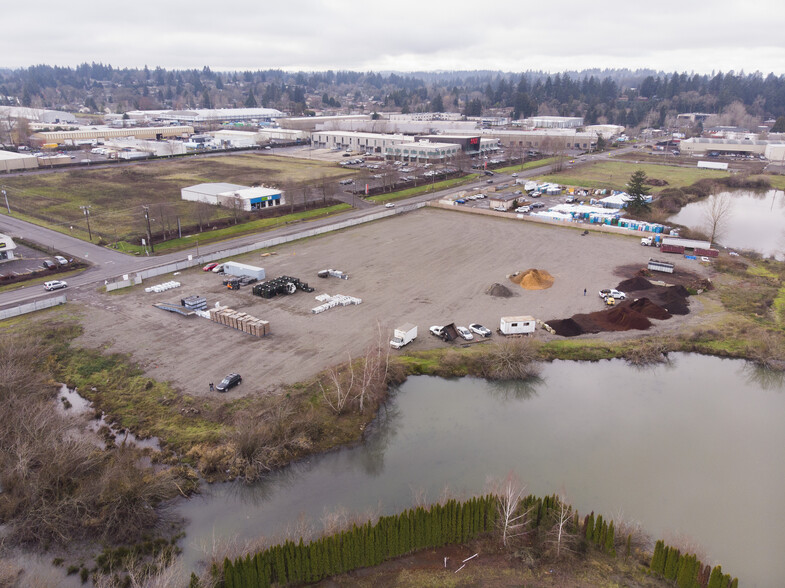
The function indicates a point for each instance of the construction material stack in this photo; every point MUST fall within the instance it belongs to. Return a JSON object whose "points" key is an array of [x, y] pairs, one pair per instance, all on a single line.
{"points": [[282, 285], [241, 321], [194, 303]]}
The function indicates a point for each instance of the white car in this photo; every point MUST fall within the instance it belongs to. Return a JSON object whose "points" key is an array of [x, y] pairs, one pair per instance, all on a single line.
{"points": [[514, 175], [218, 268], [61, 260], [613, 294], [436, 330], [522, 209], [465, 333], [389, 205], [55, 285], [480, 330]]}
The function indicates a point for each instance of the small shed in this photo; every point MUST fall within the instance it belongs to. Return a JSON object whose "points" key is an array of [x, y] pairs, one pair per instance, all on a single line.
{"points": [[517, 325], [234, 268]]}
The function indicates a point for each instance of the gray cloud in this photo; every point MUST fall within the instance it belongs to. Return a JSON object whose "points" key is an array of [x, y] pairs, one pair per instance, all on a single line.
{"points": [[406, 35]]}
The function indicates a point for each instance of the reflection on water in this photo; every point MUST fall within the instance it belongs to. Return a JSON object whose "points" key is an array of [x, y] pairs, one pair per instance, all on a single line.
{"points": [[683, 448], [764, 378], [756, 221], [514, 389]]}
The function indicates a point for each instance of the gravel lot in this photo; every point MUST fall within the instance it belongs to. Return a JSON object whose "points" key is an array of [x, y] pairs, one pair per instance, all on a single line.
{"points": [[430, 267]]}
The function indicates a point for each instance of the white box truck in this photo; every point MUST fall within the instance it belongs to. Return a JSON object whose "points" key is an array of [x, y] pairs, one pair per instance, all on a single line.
{"points": [[517, 325], [403, 335]]}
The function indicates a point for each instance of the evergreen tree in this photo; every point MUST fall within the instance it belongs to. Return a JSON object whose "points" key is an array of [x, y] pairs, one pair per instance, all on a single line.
{"points": [[610, 539], [588, 527], [628, 547], [250, 101], [599, 529], [638, 190], [658, 559], [671, 563], [715, 580], [229, 574]]}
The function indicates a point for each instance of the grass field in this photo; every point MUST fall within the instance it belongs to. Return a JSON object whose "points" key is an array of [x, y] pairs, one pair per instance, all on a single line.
{"points": [[615, 175], [527, 165], [116, 195], [425, 188]]}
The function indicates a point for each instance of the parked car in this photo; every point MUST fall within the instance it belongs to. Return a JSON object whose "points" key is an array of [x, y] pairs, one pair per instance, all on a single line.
{"points": [[48, 264], [389, 205], [489, 181], [536, 205], [229, 382], [55, 285], [480, 330], [61, 260], [610, 292], [437, 331], [209, 267], [514, 175], [465, 333], [522, 209], [218, 268]]}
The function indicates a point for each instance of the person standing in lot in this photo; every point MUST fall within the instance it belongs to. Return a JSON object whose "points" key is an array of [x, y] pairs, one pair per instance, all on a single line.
{"points": [[584, 291], [212, 388]]}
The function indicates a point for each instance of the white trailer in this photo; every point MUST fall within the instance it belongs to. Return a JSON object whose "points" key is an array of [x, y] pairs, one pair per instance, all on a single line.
{"points": [[234, 268], [660, 266], [403, 335], [517, 325]]}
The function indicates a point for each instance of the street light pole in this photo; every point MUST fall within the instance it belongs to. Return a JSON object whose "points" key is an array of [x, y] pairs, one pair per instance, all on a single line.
{"points": [[149, 233], [5, 195], [87, 216]]}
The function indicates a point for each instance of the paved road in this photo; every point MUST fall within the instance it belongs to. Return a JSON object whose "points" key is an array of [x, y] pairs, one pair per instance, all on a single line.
{"points": [[108, 264]]}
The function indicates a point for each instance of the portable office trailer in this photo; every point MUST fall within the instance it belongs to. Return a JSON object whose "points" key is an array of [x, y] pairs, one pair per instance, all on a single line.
{"points": [[234, 268], [517, 325]]}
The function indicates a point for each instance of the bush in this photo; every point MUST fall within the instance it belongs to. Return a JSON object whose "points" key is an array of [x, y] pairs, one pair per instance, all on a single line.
{"points": [[509, 359]]}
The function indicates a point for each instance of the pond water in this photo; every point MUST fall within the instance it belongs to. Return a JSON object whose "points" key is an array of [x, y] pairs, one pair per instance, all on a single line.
{"points": [[691, 449], [756, 221]]}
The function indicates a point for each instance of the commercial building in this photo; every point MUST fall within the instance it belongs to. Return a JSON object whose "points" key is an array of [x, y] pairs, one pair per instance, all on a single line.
{"points": [[504, 200], [546, 140], [7, 247], [231, 195], [425, 116], [156, 148], [321, 123], [10, 161], [103, 133], [553, 122], [469, 144], [237, 139], [700, 146], [209, 115], [366, 142], [422, 152], [284, 135], [37, 115]]}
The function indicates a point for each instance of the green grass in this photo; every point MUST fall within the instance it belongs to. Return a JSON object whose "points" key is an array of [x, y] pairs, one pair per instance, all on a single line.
{"points": [[424, 189], [777, 182], [614, 175], [528, 165], [116, 194], [235, 230]]}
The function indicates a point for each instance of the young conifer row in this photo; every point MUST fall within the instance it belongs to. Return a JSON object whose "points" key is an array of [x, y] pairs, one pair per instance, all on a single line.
{"points": [[686, 570], [600, 533], [363, 546]]}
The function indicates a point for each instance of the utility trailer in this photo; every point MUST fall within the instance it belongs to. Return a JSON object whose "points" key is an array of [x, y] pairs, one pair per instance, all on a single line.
{"points": [[656, 265], [517, 325]]}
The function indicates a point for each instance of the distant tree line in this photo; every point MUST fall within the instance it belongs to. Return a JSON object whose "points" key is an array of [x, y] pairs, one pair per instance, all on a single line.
{"points": [[629, 98]]}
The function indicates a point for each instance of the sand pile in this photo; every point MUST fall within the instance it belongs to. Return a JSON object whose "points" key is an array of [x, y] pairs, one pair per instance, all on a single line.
{"points": [[635, 284], [499, 290], [532, 279]]}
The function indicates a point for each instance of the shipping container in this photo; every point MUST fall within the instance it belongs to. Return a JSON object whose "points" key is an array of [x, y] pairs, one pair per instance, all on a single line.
{"points": [[707, 252], [672, 248]]}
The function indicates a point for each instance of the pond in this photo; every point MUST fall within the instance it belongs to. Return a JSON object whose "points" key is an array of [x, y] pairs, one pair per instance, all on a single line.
{"points": [[756, 221], [690, 450]]}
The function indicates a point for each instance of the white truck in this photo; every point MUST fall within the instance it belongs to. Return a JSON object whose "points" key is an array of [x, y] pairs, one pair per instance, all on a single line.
{"points": [[649, 241], [403, 335]]}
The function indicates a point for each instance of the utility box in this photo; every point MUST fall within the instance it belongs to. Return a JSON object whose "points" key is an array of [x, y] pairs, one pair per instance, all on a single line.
{"points": [[234, 268], [517, 325]]}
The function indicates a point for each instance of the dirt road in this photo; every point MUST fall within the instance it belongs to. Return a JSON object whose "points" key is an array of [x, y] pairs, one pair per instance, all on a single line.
{"points": [[430, 267]]}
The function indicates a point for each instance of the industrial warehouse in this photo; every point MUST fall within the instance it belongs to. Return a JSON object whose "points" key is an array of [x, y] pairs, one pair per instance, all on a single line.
{"points": [[232, 195]]}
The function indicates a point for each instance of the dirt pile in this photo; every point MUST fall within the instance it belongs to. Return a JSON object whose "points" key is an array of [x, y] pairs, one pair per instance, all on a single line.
{"points": [[566, 327], [647, 308], [532, 279], [499, 290], [635, 284]]}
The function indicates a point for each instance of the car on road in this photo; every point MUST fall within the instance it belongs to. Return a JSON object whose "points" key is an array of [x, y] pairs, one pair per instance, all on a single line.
{"points": [[209, 267], [480, 330], [514, 175], [55, 285], [61, 260], [465, 333], [489, 181], [612, 293], [229, 382], [437, 331], [389, 205]]}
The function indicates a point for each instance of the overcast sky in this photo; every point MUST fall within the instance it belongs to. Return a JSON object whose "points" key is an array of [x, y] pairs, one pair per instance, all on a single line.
{"points": [[403, 35]]}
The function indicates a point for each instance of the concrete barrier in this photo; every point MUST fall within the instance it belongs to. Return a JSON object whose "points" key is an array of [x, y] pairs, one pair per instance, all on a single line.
{"points": [[7, 313]]}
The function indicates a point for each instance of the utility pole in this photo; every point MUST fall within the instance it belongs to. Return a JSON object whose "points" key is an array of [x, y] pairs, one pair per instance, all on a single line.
{"points": [[5, 195], [86, 210], [149, 234]]}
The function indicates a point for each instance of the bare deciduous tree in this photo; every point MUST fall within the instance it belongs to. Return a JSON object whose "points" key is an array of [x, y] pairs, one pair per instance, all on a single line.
{"points": [[513, 520], [718, 213], [561, 535]]}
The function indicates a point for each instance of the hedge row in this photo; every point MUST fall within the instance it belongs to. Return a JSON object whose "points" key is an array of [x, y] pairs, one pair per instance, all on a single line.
{"points": [[363, 546], [686, 570]]}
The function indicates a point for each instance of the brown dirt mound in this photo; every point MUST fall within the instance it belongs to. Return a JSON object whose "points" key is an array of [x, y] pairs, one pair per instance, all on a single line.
{"points": [[674, 299], [499, 290], [634, 284], [648, 309], [566, 327], [622, 318], [533, 279]]}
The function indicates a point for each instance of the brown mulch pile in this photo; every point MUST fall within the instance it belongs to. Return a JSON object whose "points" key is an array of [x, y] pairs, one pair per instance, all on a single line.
{"points": [[532, 279], [660, 304], [499, 290], [635, 284]]}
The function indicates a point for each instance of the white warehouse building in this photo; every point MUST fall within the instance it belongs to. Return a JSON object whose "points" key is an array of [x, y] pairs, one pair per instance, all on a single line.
{"points": [[345, 140], [423, 152], [231, 195]]}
